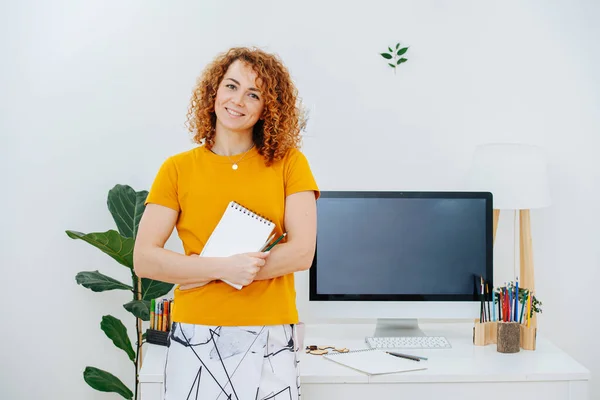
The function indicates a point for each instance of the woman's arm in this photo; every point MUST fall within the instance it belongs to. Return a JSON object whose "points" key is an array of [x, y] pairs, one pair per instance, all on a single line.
{"points": [[152, 260], [301, 227]]}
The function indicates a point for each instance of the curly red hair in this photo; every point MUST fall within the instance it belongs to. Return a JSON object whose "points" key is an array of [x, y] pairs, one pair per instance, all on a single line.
{"points": [[278, 131]]}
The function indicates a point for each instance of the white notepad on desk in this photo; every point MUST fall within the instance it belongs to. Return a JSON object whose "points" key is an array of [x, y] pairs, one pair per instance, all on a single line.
{"points": [[239, 231], [375, 362]]}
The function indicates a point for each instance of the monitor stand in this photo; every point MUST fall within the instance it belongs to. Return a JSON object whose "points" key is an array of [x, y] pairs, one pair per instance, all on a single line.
{"points": [[397, 327]]}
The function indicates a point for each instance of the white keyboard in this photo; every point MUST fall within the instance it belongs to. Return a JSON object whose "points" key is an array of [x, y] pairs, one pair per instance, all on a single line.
{"points": [[408, 342]]}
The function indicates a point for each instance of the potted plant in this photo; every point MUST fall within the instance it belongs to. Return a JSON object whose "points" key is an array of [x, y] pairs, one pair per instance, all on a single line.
{"points": [[126, 207]]}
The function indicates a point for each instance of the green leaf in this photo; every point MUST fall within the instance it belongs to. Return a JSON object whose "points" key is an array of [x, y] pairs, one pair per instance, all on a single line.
{"points": [[139, 308], [392, 65], [402, 51], [105, 382], [111, 243], [390, 49], [386, 56], [397, 45], [116, 331], [126, 206], [152, 289], [98, 282], [402, 60]]}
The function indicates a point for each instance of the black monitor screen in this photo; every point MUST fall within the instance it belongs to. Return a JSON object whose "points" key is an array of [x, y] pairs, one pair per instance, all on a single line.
{"points": [[402, 246]]}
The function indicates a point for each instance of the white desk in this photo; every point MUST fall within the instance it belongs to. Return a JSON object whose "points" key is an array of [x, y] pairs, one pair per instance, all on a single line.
{"points": [[463, 372]]}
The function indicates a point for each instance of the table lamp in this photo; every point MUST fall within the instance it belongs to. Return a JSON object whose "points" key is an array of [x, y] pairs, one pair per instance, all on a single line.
{"points": [[516, 175]]}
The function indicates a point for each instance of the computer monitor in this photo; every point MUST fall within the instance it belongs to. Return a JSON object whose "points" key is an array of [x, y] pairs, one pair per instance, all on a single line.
{"points": [[401, 256]]}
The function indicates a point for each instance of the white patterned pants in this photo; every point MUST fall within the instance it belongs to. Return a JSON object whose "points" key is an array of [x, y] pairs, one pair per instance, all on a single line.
{"points": [[232, 362]]}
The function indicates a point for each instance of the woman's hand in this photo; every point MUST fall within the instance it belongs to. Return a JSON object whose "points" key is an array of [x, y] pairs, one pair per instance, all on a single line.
{"points": [[241, 269]]}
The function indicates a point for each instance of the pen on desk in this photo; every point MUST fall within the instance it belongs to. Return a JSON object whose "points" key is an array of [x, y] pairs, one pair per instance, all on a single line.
{"points": [[412, 355], [275, 242], [409, 357]]}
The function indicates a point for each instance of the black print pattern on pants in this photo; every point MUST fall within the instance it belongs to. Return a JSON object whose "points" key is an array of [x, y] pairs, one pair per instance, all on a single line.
{"points": [[232, 363]]}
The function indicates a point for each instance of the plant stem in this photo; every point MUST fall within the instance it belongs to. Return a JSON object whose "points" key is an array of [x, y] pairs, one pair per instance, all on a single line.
{"points": [[137, 359], [138, 330]]}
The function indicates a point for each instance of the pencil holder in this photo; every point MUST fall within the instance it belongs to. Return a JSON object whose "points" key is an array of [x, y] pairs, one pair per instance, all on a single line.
{"points": [[157, 337], [528, 337], [484, 333], [509, 337]]}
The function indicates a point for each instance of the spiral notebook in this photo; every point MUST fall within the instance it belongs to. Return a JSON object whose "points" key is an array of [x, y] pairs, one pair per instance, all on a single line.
{"points": [[375, 362], [239, 231]]}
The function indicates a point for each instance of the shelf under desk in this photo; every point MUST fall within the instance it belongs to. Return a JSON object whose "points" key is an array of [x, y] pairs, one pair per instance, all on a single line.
{"points": [[463, 372]]}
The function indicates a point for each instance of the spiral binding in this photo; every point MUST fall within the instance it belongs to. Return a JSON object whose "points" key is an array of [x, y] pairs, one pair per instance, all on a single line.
{"points": [[250, 213]]}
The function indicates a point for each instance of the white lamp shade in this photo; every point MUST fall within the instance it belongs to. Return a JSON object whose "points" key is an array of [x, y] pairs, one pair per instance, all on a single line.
{"points": [[515, 174]]}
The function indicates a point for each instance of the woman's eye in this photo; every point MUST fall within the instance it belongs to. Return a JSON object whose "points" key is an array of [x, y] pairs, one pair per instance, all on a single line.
{"points": [[254, 96], [230, 86]]}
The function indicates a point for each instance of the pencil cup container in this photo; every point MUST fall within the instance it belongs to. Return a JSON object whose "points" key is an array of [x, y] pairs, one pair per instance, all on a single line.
{"points": [[528, 337], [509, 337], [157, 337], [484, 333]]}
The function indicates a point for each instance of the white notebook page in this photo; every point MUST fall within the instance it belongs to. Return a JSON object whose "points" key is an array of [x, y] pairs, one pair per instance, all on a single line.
{"points": [[375, 362], [238, 231]]}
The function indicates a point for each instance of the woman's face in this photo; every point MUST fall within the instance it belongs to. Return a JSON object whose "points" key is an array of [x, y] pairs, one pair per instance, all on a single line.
{"points": [[239, 103]]}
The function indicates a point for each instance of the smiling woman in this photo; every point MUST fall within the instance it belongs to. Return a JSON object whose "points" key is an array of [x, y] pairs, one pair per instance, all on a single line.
{"points": [[260, 83], [224, 341], [239, 105]]}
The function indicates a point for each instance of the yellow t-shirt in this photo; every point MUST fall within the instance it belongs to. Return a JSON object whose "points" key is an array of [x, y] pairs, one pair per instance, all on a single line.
{"points": [[199, 184]]}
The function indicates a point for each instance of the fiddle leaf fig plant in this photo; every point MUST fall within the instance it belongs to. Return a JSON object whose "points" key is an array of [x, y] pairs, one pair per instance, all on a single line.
{"points": [[126, 207]]}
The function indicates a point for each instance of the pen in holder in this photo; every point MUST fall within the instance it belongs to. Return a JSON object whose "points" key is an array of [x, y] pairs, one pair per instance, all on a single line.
{"points": [[485, 333], [161, 311], [510, 321]]}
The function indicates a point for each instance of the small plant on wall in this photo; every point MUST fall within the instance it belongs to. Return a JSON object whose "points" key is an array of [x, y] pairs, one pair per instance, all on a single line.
{"points": [[395, 56]]}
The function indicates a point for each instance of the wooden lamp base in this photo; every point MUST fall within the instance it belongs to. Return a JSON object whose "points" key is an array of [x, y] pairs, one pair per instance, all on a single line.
{"points": [[526, 272]]}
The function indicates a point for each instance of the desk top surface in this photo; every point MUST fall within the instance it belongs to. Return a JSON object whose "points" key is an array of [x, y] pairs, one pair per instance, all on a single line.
{"points": [[464, 362]]}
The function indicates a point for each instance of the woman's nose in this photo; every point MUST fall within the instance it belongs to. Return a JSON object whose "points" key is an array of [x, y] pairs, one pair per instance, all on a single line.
{"points": [[238, 100]]}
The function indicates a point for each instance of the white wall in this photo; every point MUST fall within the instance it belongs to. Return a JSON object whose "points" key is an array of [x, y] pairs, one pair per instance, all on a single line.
{"points": [[94, 93]]}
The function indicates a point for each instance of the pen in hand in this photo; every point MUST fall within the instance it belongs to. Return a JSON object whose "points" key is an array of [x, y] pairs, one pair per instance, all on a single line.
{"points": [[409, 357], [275, 242], [267, 242]]}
